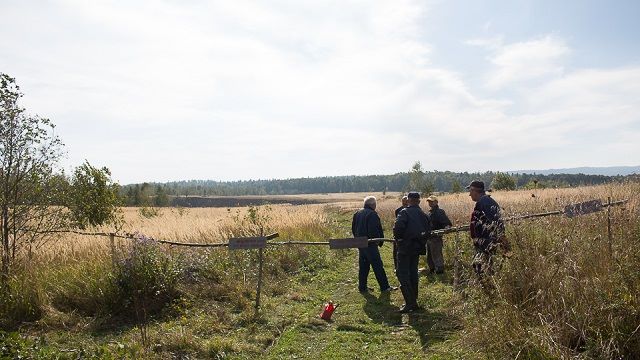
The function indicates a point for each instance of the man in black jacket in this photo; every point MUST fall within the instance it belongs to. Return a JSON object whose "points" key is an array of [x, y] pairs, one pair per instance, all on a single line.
{"points": [[405, 203], [366, 222], [409, 231], [486, 228]]}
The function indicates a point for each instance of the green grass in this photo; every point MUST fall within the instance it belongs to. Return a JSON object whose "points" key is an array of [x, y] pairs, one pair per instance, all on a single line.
{"points": [[367, 326]]}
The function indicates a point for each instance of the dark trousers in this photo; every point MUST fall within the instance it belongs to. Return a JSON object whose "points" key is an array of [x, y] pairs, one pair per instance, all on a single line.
{"points": [[408, 277], [435, 260], [370, 257], [395, 256], [483, 260]]}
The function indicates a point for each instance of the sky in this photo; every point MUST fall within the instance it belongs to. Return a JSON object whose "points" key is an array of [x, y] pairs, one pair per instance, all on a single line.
{"points": [[228, 90]]}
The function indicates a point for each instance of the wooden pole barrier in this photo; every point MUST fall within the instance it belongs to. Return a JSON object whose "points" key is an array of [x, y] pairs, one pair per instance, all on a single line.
{"points": [[259, 288], [112, 239], [609, 228], [456, 263], [297, 242]]}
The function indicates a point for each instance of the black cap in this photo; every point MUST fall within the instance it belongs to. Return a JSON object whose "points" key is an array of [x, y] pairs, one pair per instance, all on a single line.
{"points": [[476, 184], [413, 195]]}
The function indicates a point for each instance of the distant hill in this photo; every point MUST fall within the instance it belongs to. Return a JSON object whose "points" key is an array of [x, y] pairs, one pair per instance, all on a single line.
{"points": [[606, 171]]}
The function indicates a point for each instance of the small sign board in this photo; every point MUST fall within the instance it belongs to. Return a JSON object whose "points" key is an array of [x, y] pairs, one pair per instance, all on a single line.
{"points": [[248, 243], [586, 207], [359, 242]]}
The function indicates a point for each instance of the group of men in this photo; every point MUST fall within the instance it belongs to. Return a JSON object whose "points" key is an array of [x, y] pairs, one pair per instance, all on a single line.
{"points": [[412, 235]]}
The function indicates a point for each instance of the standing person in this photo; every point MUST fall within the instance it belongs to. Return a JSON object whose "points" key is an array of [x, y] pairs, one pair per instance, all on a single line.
{"points": [[405, 203], [486, 228], [366, 222], [409, 231], [439, 220]]}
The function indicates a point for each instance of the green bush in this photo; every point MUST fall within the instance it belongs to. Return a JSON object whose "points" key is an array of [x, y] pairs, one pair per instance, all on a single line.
{"points": [[147, 279], [149, 212], [93, 197]]}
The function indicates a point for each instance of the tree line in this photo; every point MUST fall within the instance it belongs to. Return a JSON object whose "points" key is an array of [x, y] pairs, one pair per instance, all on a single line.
{"points": [[161, 194]]}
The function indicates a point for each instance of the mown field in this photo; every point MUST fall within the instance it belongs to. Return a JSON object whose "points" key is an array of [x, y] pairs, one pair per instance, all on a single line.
{"points": [[563, 293]]}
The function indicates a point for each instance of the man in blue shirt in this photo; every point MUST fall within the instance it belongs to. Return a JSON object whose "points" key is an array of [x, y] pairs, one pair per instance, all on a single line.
{"points": [[366, 222]]}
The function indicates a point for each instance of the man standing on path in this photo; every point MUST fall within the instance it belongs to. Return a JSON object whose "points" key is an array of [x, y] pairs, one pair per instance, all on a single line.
{"points": [[409, 231], [405, 203], [486, 228], [439, 220], [366, 222]]}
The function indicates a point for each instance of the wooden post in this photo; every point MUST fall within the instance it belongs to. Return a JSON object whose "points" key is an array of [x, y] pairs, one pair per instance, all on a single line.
{"points": [[609, 228], [260, 262], [456, 263], [113, 247]]}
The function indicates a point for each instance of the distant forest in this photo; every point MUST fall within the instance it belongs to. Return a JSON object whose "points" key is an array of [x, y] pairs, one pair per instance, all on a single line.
{"points": [[162, 194]]}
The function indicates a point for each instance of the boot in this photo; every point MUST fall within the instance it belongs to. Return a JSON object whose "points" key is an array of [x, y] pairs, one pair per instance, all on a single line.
{"points": [[409, 300]]}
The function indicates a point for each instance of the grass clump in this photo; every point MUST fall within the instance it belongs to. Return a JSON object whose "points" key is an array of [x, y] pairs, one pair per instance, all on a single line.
{"points": [[135, 286], [21, 299]]}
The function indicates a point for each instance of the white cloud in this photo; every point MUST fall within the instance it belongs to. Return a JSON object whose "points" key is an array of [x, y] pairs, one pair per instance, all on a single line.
{"points": [[492, 43], [236, 90], [522, 61]]}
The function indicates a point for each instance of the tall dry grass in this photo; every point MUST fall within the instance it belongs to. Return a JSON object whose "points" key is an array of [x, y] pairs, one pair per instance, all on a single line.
{"points": [[567, 292], [194, 225], [80, 274]]}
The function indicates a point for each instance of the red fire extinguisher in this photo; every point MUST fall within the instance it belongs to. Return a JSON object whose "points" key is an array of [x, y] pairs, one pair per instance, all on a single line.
{"points": [[329, 308]]}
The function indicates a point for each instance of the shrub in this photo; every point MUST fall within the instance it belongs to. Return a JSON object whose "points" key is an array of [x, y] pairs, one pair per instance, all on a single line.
{"points": [[147, 278], [149, 212]]}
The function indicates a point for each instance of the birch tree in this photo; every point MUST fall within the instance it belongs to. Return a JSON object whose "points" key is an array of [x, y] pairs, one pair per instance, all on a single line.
{"points": [[29, 186]]}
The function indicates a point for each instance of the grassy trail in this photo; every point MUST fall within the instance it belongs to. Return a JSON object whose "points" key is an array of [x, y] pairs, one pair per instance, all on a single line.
{"points": [[366, 326]]}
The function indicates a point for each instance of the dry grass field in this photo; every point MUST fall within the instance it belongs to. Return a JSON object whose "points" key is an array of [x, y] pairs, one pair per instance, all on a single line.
{"points": [[211, 225], [190, 225]]}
